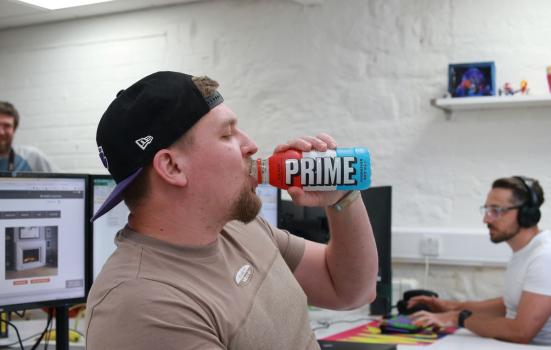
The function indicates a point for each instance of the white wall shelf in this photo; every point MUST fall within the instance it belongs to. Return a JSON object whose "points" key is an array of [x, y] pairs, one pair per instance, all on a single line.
{"points": [[491, 102]]}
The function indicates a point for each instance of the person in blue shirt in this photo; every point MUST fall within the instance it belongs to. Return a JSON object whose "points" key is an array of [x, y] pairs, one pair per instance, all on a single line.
{"points": [[18, 158]]}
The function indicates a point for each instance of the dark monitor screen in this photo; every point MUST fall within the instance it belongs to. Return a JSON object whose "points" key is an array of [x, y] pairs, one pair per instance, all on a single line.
{"points": [[311, 223], [42, 239]]}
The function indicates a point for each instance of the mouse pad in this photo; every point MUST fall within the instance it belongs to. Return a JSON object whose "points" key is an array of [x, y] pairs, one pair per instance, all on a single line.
{"points": [[371, 333]]}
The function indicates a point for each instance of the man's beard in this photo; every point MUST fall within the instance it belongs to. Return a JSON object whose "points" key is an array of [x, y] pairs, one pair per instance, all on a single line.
{"points": [[504, 235], [247, 206], [5, 146]]}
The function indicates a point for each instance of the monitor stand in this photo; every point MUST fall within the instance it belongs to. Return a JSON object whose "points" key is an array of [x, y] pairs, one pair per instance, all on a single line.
{"points": [[62, 327]]}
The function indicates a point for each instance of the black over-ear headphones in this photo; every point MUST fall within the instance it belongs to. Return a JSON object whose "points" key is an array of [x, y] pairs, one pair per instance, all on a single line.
{"points": [[529, 212]]}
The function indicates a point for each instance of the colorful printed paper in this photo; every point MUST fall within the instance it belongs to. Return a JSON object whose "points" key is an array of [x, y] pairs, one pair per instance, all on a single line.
{"points": [[371, 333]]}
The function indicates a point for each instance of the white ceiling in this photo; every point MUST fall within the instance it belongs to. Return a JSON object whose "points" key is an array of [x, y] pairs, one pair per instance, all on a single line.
{"points": [[16, 14]]}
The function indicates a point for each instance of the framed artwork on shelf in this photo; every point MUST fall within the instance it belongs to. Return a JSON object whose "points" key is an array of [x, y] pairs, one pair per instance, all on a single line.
{"points": [[471, 79]]}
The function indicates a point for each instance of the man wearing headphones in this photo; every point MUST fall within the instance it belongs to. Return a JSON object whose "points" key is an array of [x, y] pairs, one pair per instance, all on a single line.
{"points": [[523, 314]]}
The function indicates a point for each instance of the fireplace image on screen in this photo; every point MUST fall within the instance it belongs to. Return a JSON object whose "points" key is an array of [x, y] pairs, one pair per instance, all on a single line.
{"points": [[30, 255], [31, 251]]}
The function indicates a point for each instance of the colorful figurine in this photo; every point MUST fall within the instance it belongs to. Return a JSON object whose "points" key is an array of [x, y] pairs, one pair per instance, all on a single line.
{"points": [[508, 89], [524, 87]]}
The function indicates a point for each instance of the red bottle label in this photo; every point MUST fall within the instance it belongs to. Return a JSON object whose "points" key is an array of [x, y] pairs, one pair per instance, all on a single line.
{"points": [[277, 168]]}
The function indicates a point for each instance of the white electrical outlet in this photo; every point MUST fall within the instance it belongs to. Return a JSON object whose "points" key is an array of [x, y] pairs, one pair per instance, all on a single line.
{"points": [[430, 246]]}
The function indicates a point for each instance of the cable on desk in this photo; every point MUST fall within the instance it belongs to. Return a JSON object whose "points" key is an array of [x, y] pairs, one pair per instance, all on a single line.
{"points": [[50, 314], [47, 342], [326, 324], [22, 340], [16, 332], [21, 315], [427, 266], [80, 315]]}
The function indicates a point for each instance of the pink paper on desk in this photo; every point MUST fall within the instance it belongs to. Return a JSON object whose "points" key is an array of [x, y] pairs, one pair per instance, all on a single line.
{"points": [[371, 333]]}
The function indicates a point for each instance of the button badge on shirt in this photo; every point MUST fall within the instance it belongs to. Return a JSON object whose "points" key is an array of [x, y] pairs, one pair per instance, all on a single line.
{"points": [[244, 275]]}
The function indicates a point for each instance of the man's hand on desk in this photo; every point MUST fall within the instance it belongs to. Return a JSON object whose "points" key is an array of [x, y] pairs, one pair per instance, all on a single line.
{"points": [[440, 320], [433, 303]]}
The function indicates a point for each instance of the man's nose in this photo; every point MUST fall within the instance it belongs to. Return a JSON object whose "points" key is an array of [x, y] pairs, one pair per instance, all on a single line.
{"points": [[249, 146]]}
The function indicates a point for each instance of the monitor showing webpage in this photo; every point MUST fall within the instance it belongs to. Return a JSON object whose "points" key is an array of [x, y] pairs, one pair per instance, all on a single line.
{"points": [[42, 239]]}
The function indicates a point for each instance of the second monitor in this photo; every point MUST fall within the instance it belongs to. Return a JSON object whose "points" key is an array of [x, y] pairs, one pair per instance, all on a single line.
{"points": [[311, 223]]}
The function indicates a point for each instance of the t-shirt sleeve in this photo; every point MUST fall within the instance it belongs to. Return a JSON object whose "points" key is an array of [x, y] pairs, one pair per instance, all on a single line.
{"points": [[537, 275], [36, 159], [144, 314], [290, 246]]}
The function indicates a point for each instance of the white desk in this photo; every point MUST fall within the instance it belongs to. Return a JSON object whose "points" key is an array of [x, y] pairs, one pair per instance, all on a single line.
{"points": [[336, 322], [339, 321], [464, 339], [28, 328]]}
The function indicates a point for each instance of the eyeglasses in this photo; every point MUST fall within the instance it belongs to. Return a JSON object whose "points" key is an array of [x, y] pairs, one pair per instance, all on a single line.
{"points": [[494, 212]]}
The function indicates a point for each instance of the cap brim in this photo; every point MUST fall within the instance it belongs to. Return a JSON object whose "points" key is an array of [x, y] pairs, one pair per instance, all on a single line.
{"points": [[115, 197]]}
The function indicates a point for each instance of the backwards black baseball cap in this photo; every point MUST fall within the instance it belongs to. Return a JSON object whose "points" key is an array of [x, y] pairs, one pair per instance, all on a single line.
{"points": [[148, 116]]}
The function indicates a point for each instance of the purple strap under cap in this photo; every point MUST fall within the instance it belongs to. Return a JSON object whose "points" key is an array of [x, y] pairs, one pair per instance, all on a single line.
{"points": [[115, 197]]}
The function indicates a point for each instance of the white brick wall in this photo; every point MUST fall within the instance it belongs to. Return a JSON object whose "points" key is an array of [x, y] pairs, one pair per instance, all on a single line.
{"points": [[362, 70]]}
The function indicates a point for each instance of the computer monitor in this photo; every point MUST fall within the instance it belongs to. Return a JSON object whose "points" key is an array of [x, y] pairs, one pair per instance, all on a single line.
{"points": [[269, 196], [42, 240], [106, 227], [311, 223]]}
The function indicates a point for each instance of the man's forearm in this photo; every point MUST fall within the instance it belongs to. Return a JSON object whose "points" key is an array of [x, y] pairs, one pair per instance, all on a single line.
{"points": [[351, 254], [497, 327], [490, 307]]}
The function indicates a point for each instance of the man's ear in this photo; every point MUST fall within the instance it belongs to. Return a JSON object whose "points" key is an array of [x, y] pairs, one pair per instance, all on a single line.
{"points": [[170, 167]]}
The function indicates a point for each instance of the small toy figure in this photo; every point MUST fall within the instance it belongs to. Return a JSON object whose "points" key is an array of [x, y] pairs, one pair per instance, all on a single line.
{"points": [[508, 89], [524, 87]]}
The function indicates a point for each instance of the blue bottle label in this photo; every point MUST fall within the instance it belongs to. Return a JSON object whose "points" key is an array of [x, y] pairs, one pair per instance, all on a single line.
{"points": [[341, 169]]}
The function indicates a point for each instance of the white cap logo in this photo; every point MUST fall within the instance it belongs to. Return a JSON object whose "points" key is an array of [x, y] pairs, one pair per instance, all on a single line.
{"points": [[144, 142], [103, 157]]}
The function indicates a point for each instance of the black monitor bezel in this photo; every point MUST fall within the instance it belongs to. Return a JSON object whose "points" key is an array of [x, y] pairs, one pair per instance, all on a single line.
{"points": [[68, 301]]}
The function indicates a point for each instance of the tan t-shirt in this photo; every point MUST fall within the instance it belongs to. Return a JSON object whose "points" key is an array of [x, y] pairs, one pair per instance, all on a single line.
{"points": [[236, 293]]}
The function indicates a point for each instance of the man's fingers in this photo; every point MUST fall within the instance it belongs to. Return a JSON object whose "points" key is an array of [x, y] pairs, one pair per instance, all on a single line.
{"points": [[322, 142], [329, 141], [419, 314], [317, 143], [416, 300]]}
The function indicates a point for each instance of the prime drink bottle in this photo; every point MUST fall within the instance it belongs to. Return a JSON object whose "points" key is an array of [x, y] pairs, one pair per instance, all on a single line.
{"points": [[341, 169]]}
